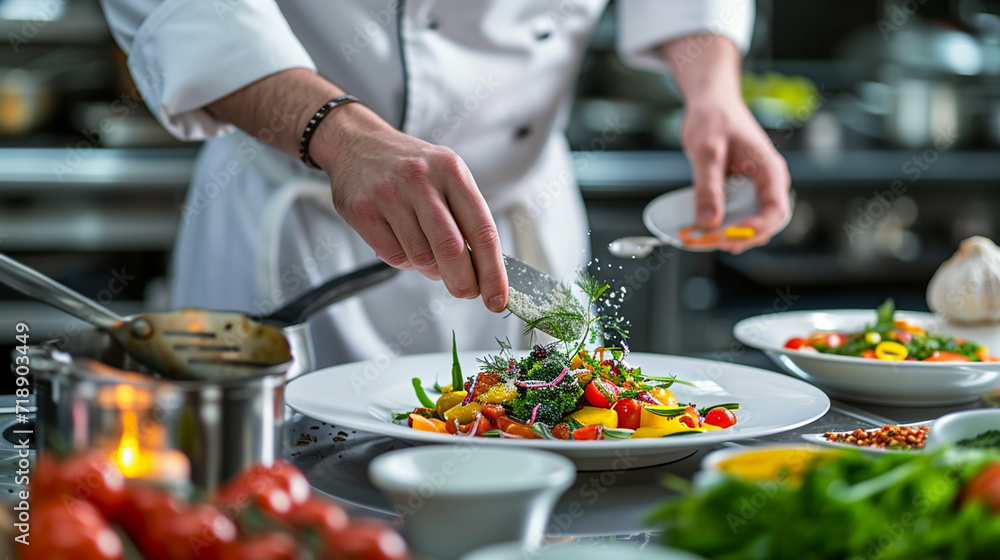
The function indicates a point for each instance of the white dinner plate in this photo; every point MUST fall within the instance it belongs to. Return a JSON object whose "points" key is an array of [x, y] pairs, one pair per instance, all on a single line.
{"points": [[669, 213], [882, 382], [363, 396]]}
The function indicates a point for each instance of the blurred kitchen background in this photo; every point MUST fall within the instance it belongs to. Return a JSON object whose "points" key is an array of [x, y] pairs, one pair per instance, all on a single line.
{"points": [[856, 94]]}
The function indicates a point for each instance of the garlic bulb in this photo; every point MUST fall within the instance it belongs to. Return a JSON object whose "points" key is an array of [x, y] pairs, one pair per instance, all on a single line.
{"points": [[966, 289]]}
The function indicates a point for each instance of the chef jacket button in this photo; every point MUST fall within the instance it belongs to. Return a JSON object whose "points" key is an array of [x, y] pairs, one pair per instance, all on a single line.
{"points": [[522, 132], [543, 35]]}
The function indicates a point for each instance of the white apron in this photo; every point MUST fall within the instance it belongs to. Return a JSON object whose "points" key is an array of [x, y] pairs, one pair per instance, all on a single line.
{"points": [[490, 79]]}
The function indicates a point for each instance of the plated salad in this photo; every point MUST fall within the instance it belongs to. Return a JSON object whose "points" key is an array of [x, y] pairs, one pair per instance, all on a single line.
{"points": [[894, 340], [563, 391]]}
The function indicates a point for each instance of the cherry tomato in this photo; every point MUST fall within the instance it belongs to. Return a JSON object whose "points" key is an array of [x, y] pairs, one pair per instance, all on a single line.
{"points": [[482, 427], [520, 430], [266, 546], [142, 502], [593, 431], [945, 356], [290, 479], [324, 516], [72, 529], [902, 336], [562, 431], [796, 343], [629, 412], [834, 340], [869, 353], [200, 531], [493, 412], [256, 486], [721, 417], [985, 486], [89, 476], [366, 540], [601, 396]]}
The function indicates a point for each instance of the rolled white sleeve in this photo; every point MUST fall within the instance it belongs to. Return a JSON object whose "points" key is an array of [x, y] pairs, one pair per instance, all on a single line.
{"points": [[185, 54], [644, 25]]}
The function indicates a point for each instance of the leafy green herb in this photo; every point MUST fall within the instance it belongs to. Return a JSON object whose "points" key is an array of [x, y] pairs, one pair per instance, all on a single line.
{"points": [[728, 406], [618, 433], [664, 382], [884, 315]]}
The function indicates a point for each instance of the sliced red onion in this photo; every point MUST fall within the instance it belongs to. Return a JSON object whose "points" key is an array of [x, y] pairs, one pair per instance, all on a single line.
{"points": [[534, 413], [509, 436], [472, 431], [541, 384], [472, 391]]}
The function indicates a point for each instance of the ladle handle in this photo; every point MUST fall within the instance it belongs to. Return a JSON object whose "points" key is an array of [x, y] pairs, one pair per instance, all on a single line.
{"points": [[34, 284]]}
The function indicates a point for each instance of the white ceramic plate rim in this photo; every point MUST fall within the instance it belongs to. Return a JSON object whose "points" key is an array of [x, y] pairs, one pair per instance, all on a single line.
{"points": [[742, 331], [306, 404]]}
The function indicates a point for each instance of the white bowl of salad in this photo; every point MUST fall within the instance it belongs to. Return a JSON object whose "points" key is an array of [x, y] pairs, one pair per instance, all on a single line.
{"points": [[886, 357]]}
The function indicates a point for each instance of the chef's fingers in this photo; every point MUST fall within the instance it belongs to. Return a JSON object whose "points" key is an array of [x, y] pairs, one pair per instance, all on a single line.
{"points": [[411, 237], [380, 237], [708, 165], [448, 244], [770, 175], [480, 231]]}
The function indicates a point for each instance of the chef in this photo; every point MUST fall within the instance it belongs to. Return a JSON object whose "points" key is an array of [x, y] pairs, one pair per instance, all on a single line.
{"points": [[426, 133]]}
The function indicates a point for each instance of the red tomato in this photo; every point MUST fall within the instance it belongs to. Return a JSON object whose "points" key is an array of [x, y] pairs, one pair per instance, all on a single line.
{"points": [[985, 486], [290, 479], [834, 340], [593, 431], [484, 426], [869, 353], [945, 356], [493, 412], [367, 540], [266, 546], [143, 502], [89, 476], [796, 343], [629, 412], [902, 336], [72, 529], [597, 395], [200, 531], [257, 486], [721, 417], [319, 514]]}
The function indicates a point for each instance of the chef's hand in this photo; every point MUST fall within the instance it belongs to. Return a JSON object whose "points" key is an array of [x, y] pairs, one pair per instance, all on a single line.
{"points": [[416, 204], [722, 138]]}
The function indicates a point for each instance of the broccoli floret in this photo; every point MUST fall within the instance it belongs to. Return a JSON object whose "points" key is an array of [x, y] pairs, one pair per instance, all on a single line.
{"points": [[547, 369], [556, 402]]}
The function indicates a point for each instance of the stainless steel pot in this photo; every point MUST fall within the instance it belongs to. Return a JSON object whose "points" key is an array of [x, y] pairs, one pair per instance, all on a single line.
{"points": [[90, 394]]}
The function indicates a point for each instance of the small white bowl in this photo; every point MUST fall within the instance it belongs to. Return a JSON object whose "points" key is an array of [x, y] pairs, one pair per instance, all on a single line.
{"points": [[580, 551], [456, 498], [953, 428]]}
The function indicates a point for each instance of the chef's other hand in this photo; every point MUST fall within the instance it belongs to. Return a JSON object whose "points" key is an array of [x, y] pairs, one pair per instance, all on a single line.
{"points": [[416, 204], [722, 138]]}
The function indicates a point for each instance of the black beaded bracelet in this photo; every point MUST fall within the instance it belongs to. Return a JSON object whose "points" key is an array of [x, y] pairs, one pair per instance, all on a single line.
{"points": [[313, 123]]}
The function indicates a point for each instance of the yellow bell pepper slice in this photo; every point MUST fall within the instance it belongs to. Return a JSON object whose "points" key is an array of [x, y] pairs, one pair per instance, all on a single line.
{"points": [[649, 420], [739, 232], [448, 401], [501, 393], [889, 350], [590, 415], [464, 414]]}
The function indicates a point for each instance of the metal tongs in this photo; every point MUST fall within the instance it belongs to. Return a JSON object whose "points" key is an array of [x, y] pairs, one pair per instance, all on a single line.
{"points": [[194, 344]]}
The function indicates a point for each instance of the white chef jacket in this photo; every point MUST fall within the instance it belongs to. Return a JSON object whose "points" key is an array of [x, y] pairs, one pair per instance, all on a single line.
{"points": [[491, 79]]}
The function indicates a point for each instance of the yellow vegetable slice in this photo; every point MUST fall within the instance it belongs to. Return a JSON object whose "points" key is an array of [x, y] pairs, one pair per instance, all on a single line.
{"points": [[740, 232], [590, 415], [889, 350], [645, 433], [448, 401]]}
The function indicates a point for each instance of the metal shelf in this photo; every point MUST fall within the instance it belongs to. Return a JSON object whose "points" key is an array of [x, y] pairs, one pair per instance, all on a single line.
{"points": [[31, 170]]}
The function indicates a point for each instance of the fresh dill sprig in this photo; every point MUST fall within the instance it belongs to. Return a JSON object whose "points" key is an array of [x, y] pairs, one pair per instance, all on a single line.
{"points": [[499, 362]]}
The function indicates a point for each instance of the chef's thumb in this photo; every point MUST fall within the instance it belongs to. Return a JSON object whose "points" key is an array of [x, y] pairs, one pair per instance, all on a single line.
{"points": [[709, 195]]}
